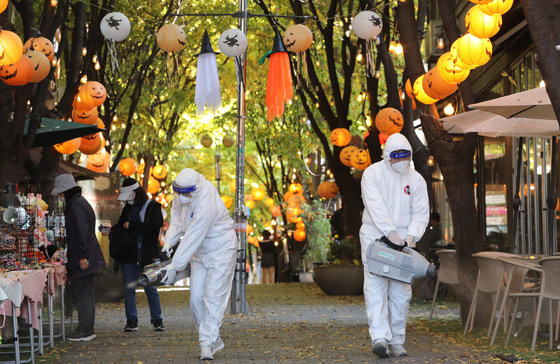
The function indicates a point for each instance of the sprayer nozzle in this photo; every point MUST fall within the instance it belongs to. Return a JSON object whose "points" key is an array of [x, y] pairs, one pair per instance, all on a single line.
{"points": [[431, 271]]}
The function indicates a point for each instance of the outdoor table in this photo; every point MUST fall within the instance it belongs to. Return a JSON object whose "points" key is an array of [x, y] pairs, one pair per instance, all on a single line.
{"points": [[32, 284], [11, 291], [56, 278]]}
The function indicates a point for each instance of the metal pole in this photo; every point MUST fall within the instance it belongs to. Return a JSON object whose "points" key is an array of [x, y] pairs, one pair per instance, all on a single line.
{"points": [[217, 158], [238, 290]]}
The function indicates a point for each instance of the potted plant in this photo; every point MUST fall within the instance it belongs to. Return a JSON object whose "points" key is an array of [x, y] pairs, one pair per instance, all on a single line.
{"points": [[343, 274]]}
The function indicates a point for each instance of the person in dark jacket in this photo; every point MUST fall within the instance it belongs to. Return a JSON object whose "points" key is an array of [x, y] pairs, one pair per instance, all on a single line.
{"points": [[143, 218], [268, 260], [84, 254]]}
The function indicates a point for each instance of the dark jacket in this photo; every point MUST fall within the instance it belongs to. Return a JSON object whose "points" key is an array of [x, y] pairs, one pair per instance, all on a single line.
{"points": [[148, 231], [81, 241]]}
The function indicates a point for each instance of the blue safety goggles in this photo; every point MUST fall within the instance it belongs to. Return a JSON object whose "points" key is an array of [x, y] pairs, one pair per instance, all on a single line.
{"points": [[400, 154], [183, 190]]}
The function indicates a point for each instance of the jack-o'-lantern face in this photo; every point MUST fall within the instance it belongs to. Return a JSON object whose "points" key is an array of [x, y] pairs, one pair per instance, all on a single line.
{"points": [[41, 44], [17, 74], [297, 38], [340, 137], [346, 155], [99, 162], [93, 92], [41, 65], [360, 159], [389, 121], [171, 38], [92, 146], [85, 117], [436, 87], [449, 71], [327, 189]]}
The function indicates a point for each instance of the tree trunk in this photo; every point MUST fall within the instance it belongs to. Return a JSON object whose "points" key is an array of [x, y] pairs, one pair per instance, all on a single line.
{"points": [[542, 19], [455, 160]]}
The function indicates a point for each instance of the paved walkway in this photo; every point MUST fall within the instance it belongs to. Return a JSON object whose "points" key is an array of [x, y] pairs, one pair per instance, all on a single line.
{"points": [[288, 323]]}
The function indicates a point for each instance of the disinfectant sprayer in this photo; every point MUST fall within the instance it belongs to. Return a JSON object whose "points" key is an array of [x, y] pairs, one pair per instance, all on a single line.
{"points": [[154, 273], [403, 265]]}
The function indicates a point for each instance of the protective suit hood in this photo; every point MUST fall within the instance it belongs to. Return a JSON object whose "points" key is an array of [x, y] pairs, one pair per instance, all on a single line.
{"points": [[396, 142], [188, 181]]}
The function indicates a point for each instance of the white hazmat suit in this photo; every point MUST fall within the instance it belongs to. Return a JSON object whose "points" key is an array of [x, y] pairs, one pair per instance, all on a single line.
{"points": [[396, 206], [210, 244]]}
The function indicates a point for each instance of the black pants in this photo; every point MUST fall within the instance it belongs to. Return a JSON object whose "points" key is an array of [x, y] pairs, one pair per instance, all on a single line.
{"points": [[84, 301]]}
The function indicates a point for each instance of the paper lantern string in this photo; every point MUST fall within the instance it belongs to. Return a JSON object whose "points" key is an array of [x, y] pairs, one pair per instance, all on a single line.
{"points": [[239, 73], [369, 58]]}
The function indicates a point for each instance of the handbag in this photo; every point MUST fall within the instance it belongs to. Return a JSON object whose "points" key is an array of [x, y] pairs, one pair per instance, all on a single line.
{"points": [[121, 242]]}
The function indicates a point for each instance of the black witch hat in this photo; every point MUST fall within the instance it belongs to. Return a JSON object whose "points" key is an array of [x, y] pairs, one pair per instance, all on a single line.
{"points": [[206, 46], [278, 44]]}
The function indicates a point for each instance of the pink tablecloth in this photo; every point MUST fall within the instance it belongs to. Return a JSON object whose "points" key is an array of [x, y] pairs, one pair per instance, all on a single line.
{"points": [[57, 274], [33, 283]]}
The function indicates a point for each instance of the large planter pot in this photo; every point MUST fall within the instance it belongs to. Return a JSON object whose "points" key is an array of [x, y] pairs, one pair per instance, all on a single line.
{"points": [[339, 279]]}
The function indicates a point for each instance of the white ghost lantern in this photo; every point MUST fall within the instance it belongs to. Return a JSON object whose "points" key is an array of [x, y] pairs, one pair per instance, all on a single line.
{"points": [[115, 26], [367, 24], [232, 42]]}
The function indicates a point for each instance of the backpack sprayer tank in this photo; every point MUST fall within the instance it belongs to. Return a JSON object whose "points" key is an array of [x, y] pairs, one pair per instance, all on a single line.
{"points": [[405, 265]]}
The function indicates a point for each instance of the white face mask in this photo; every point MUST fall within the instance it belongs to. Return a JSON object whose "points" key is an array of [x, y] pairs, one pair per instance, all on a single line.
{"points": [[130, 202], [187, 200], [400, 167]]}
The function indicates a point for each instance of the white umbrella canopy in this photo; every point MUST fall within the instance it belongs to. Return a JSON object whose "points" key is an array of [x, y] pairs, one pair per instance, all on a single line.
{"points": [[492, 125], [532, 104]]}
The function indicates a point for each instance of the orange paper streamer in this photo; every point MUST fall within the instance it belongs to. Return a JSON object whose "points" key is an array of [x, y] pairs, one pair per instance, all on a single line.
{"points": [[279, 84]]}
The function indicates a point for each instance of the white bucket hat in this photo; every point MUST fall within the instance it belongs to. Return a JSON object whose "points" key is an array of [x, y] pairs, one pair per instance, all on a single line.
{"points": [[63, 183]]}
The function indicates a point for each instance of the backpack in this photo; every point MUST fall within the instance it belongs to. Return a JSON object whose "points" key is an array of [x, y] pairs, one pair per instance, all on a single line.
{"points": [[121, 242]]}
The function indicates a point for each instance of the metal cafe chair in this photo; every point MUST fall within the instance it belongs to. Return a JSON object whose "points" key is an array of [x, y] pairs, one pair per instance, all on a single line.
{"points": [[447, 272], [516, 271], [489, 280]]}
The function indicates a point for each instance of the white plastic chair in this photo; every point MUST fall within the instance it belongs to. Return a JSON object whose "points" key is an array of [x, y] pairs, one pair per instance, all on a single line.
{"points": [[550, 289], [516, 272], [490, 281], [447, 272]]}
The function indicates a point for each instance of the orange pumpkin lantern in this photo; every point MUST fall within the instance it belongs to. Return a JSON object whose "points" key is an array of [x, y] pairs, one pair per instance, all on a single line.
{"points": [[11, 47], [141, 167], [340, 137], [275, 211], [269, 202], [258, 193], [159, 171], [69, 146], [383, 138], [17, 74], [228, 201], [449, 71], [92, 145], [389, 121], [91, 94], [127, 167], [295, 188], [171, 38], [300, 225], [85, 116], [360, 159], [41, 44], [482, 25], [3, 5], [99, 162], [297, 38], [473, 51], [296, 200], [327, 189], [250, 204], [299, 235], [41, 65], [496, 6], [346, 154], [153, 185], [435, 86], [419, 92]]}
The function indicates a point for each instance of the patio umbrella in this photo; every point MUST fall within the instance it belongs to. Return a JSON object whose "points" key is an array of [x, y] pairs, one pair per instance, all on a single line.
{"points": [[492, 125], [54, 131], [532, 104]]}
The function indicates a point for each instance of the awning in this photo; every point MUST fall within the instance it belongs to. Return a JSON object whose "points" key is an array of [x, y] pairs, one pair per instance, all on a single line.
{"points": [[492, 125], [532, 104], [54, 131]]}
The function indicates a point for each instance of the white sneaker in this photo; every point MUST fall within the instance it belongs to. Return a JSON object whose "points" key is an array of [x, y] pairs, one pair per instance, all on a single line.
{"points": [[380, 348], [397, 350], [217, 346], [206, 353]]}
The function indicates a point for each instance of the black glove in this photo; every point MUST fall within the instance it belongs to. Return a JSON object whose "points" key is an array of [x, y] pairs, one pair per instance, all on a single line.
{"points": [[390, 244]]}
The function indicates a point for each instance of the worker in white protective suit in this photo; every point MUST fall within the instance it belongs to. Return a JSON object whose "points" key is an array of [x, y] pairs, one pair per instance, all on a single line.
{"points": [[200, 220], [396, 206]]}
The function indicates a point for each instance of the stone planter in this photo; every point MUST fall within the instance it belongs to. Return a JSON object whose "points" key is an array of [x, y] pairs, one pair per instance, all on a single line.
{"points": [[339, 279]]}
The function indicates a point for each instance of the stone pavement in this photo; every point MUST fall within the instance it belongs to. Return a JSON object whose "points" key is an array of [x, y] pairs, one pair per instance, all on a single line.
{"points": [[287, 323]]}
